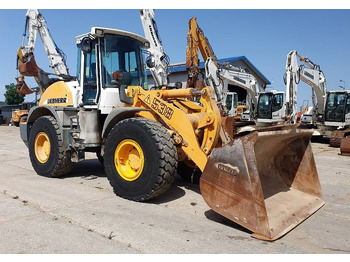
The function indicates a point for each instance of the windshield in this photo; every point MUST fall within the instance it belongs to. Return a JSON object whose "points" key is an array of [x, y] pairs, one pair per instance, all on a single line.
{"points": [[264, 106], [277, 102], [231, 101], [336, 105], [123, 54]]}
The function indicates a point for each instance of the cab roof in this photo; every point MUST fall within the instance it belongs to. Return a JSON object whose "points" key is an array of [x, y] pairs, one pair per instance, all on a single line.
{"points": [[100, 31]]}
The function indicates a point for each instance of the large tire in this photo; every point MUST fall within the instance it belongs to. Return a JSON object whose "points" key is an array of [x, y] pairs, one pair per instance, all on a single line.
{"points": [[140, 159], [46, 151]]}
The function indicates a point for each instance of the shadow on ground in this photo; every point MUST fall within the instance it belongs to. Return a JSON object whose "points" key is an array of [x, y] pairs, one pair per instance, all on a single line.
{"points": [[90, 168]]}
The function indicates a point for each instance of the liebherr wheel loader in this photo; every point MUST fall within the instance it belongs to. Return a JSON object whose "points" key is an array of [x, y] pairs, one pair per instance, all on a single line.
{"points": [[266, 181]]}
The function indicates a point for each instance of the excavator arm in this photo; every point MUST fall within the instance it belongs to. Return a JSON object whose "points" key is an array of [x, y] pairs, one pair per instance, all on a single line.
{"points": [[309, 73], [26, 64], [196, 41], [216, 73], [161, 60], [235, 76]]}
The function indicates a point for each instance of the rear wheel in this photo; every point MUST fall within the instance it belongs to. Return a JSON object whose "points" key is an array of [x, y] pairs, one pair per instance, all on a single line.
{"points": [[140, 159], [46, 150]]}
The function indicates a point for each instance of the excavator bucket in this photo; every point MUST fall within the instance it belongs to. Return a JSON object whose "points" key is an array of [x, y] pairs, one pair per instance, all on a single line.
{"points": [[22, 88], [265, 181], [29, 68]]}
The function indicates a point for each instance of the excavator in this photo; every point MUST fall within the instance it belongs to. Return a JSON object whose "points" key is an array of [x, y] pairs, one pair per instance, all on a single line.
{"points": [[330, 111], [265, 181], [272, 107], [26, 63], [263, 109], [228, 101]]}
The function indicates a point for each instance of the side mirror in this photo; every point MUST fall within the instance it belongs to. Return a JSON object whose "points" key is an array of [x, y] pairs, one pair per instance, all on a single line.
{"points": [[150, 61], [86, 45]]}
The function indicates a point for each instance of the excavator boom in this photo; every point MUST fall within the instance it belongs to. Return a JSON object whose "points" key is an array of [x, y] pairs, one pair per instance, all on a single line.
{"points": [[26, 65]]}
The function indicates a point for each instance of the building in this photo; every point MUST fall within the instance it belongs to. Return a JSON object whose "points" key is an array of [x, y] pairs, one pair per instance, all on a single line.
{"points": [[178, 73]]}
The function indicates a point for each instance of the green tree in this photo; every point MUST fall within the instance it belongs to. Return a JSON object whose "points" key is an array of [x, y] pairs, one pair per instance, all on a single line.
{"points": [[11, 95]]}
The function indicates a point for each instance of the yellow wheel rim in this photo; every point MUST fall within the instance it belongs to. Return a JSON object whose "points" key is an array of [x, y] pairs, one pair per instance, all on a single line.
{"points": [[42, 147], [129, 159]]}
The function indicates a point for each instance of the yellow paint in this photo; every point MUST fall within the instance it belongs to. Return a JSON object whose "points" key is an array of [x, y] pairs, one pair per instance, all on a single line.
{"points": [[57, 94], [42, 147], [184, 124], [129, 160]]}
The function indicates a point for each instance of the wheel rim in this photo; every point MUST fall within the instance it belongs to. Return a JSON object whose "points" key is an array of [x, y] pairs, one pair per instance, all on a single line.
{"points": [[129, 160], [42, 147]]}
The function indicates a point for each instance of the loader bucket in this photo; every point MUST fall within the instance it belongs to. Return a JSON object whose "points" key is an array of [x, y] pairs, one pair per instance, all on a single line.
{"points": [[265, 181]]}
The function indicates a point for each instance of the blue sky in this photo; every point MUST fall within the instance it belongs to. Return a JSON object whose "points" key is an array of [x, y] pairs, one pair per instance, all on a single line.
{"points": [[264, 36]]}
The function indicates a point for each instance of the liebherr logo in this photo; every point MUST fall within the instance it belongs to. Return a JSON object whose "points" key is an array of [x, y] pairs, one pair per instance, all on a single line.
{"points": [[309, 75], [239, 79], [153, 37], [57, 100], [227, 168]]}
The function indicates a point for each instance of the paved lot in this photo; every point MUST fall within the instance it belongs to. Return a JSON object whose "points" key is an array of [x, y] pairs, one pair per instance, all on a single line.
{"points": [[80, 214]]}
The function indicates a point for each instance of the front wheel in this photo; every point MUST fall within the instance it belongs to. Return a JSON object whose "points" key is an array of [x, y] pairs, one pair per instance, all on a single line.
{"points": [[46, 150], [140, 159]]}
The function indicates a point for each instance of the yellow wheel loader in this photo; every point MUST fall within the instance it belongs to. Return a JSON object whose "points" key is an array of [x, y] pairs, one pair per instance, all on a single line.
{"points": [[265, 181]]}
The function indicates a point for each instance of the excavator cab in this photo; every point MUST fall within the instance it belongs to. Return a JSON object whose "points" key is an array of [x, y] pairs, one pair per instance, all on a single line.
{"points": [[270, 107], [337, 107]]}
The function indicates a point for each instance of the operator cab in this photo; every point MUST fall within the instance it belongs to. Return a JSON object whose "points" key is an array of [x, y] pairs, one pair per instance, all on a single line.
{"points": [[337, 112], [270, 107], [103, 53]]}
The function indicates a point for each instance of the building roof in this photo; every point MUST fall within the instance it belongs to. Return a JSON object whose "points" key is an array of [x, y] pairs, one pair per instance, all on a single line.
{"points": [[181, 67]]}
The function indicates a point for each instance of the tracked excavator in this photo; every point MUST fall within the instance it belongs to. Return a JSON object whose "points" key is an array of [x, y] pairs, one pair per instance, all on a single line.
{"points": [[265, 181], [330, 111], [263, 108]]}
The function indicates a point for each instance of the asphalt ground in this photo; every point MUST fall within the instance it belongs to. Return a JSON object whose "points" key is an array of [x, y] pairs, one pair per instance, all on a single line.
{"points": [[80, 214]]}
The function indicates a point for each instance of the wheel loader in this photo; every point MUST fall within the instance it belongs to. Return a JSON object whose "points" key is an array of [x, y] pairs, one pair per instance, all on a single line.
{"points": [[265, 181]]}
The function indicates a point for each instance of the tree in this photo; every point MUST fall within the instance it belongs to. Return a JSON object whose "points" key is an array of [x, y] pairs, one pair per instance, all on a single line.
{"points": [[11, 95]]}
